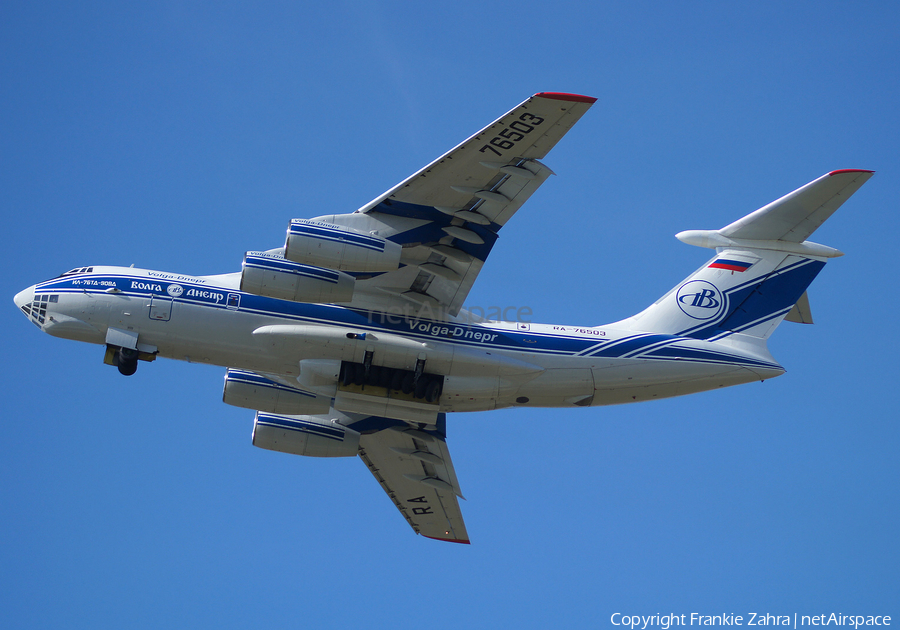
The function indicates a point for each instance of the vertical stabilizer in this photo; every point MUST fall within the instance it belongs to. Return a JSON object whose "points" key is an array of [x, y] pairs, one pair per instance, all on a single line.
{"points": [[737, 291], [762, 267]]}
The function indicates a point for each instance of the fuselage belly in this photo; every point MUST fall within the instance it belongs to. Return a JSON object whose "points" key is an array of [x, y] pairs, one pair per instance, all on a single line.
{"points": [[486, 365]]}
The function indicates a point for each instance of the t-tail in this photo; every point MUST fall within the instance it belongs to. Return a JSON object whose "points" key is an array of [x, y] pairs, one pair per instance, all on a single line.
{"points": [[762, 267]]}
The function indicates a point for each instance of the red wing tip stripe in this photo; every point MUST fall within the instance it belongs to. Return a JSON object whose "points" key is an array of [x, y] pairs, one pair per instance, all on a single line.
{"points": [[561, 96], [849, 170], [456, 540]]}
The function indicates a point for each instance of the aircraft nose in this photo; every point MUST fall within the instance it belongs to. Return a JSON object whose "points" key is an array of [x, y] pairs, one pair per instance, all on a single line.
{"points": [[24, 297]]}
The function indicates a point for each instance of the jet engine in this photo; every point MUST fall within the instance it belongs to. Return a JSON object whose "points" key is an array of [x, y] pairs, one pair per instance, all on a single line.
{"points": [[313, 436], [273, 276], [252, 391], [337, 247]]}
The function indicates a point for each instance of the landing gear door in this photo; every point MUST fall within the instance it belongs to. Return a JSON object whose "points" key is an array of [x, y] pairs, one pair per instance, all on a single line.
{"points": [[160, 308]]}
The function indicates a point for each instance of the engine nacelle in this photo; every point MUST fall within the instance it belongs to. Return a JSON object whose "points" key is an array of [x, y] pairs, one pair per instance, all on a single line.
{"points": [[336, 247], [252, 391], [273, 276], [313, 436]]}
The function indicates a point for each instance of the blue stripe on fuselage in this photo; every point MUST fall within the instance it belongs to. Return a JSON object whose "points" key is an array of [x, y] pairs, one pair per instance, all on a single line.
{"points": [[365, 321]]}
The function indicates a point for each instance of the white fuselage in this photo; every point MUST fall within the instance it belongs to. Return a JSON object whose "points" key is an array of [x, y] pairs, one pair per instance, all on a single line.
{"points": [[485, 365]]}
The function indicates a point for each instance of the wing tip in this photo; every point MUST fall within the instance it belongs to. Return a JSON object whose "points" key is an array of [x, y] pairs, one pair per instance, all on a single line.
{"points": [[562, 96], [453, 540], [849, 170]]}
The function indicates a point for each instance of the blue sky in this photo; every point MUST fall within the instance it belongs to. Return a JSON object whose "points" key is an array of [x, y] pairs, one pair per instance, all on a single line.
{"points": [[177, 136]]}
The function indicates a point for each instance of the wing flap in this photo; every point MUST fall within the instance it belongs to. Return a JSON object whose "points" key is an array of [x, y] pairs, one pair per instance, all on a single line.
{"points": [[415, 470], [450, 289]]}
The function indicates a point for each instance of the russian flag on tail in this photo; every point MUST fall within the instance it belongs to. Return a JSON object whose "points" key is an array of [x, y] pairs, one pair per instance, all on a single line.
{"points": [[730, 264]]}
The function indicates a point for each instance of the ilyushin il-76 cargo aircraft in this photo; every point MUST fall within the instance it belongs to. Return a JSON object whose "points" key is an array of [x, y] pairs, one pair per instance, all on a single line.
{"points": [[351, 339]]}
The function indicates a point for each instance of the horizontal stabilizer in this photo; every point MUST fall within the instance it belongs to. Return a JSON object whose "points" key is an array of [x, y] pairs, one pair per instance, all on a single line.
{"points": [[794, 217]]}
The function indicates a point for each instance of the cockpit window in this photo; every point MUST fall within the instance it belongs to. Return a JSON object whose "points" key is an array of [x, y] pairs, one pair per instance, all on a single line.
{"points": [[78, 270]]}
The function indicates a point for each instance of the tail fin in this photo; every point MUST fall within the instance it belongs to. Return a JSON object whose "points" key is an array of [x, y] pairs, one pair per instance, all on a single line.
{"points": [[762, 267]]}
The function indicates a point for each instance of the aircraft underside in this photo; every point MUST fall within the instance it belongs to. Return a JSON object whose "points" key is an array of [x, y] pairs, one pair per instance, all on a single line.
{"points": [[350, 339], [472, 367]]}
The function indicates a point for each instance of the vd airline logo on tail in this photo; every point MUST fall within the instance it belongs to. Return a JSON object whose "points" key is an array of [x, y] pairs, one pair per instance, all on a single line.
{"points": [[700, 299]]}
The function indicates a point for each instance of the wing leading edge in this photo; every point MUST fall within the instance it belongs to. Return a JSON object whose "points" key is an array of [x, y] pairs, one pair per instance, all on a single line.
{"points": [[447, 216], [526, 132]]}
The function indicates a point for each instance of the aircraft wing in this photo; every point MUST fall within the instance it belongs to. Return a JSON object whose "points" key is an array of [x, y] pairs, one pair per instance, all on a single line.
{"points": [[447, 215], [415, 470]]}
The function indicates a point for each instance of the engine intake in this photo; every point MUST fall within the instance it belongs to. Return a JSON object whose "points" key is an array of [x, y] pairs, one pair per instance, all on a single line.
{"points": [[336, 247], [313, 436], [273, 276]]}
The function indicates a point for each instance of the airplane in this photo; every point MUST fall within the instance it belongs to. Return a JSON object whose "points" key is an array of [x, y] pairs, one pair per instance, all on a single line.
{"points": [[352, 340]]}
